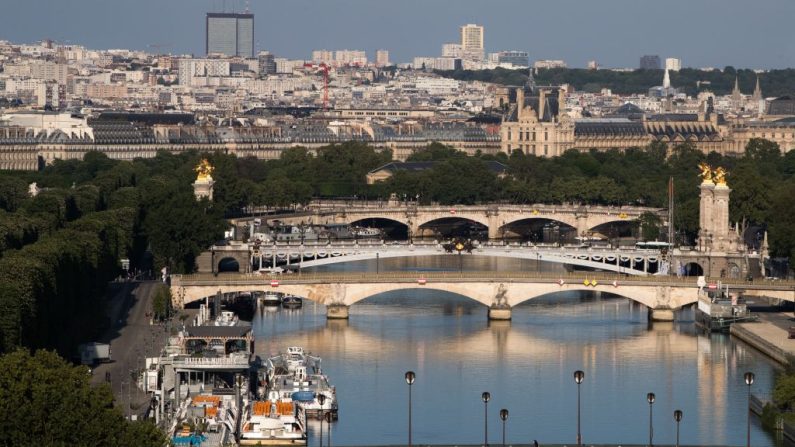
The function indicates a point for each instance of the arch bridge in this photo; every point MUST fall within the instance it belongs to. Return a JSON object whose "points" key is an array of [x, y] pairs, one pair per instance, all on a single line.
{"points": [[496, 217], [498, 290]]}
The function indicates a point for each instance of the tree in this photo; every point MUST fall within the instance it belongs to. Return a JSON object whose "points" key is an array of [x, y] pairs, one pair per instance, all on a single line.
{"points": [[46, 401], [649, 224], [161, 303]]}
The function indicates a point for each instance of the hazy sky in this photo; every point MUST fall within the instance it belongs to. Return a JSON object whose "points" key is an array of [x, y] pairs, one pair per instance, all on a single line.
{"points": [[743, 33]]}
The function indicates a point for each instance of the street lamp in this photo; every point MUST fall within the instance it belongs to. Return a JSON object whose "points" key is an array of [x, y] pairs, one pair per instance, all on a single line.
{"points": [[321, 399], [485, 397], [749, 380], [677, 418], [578, 378], [504, 417], [650, 398], [410, 376]]}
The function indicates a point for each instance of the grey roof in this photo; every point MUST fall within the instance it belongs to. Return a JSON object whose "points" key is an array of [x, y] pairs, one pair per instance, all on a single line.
{"points": [[218, 331], [608, 128]]}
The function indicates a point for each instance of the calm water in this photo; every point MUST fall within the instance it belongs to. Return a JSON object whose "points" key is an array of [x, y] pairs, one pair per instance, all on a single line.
{"points": [[527, 366]]}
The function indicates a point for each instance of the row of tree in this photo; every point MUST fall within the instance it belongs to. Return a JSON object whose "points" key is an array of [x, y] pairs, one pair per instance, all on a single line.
{"points": [[691, 81]]}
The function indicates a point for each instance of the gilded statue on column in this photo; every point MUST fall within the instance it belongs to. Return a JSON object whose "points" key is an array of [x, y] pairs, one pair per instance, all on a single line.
{"points": [[706, 173], [204, 171], [719, 176]]}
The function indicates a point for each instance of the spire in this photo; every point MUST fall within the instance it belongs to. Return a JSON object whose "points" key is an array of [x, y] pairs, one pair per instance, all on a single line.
{"points": [[666, 80], [757, 90], [531, 82], [737, 96]]}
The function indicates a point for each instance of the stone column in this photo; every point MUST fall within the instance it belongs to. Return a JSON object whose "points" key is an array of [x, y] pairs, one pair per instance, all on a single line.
{"points": [[499, 313], [203, 188], [705, 215], [720, 212], [337, 312]]}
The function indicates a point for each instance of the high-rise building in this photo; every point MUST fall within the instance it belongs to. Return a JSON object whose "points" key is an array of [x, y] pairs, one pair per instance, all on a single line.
{"points": [[515, 58], [472, 42], [650, 62], [267, 63], [452, 50], [382, 58], [230, 34], [673, 64]]}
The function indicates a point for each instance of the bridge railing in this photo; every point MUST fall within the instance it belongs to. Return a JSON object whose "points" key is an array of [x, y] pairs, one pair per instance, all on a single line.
{"points": [[601, 278]]}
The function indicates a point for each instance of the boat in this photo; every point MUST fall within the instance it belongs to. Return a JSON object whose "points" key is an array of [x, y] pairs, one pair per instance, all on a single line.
{"points": [[718, 309], [296, 234], [271, 299], [298, 376], [365, 232], [227, 318], [292, 302], [275, 421]]}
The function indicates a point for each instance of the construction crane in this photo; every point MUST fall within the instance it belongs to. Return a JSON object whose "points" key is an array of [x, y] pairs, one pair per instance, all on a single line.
{"points": [[324, 67]]}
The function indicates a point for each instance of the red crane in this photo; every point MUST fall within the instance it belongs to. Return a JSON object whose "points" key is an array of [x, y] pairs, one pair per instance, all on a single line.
{"points": [[324, 67]]}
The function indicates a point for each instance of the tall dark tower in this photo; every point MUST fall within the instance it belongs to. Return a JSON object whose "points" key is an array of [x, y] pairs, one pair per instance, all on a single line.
{"points": [[230, 34]]}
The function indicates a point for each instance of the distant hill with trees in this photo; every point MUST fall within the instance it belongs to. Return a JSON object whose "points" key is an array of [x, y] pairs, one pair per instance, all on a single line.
{"points": [[721, 82]]}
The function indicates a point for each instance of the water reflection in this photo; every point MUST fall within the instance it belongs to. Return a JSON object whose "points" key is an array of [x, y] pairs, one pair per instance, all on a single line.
{"points": [[526, 364]]}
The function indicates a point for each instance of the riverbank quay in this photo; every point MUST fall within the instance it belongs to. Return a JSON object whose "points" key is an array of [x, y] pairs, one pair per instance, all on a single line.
{"points": [[132, 338], [767, 337]]}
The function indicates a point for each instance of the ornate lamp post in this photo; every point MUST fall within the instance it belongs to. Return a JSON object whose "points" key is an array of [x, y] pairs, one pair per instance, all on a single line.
{"points": [[749, 380], [578, 378], [321, 399], [650, 398], [504, 417], [677, 418], [410, 376], [485, 397]]}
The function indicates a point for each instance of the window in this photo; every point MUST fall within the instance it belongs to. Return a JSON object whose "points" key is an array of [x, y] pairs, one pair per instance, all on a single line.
{"points": [[546, 137]]}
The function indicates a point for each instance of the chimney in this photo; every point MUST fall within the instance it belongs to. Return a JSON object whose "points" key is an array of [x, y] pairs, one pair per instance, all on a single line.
{"points": [[519, 102], [542, 99]]}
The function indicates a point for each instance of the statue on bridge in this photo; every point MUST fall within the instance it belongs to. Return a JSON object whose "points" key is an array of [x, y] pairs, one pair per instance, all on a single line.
{"points": [[719, 176], [706, 173], [459, 245], [500, 301], [204, 171]]}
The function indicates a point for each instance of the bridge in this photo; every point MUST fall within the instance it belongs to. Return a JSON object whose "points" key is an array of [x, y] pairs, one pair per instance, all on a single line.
{"points": [[500, 291], [312, 254], [499, 219]]}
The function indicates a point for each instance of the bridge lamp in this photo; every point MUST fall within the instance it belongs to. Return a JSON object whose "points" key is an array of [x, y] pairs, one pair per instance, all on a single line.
{"points": [[650, 398], [504, 417], [579, 376], [410, 376], [677, 418], [486, 397], [749, 380]]}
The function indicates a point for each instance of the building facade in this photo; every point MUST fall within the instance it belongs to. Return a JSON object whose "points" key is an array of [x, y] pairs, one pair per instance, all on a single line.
{"points": [[650, 62], [472, 42], [229, 34]]}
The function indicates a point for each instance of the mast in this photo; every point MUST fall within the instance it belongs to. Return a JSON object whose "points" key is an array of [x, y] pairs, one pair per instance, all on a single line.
{"points": [[671, 238]]}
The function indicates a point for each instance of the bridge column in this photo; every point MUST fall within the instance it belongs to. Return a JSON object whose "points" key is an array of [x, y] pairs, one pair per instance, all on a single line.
{"points": [[499, 313], [337, 312], [661, 314]]}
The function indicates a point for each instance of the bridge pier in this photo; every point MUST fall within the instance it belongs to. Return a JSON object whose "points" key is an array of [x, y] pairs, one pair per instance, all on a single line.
{"points": [[661, 314], [337, 312], [499, 313]]}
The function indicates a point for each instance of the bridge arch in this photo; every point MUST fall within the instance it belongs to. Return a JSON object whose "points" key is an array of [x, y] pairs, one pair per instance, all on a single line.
{"points": [[538, 228], [228, 264]]}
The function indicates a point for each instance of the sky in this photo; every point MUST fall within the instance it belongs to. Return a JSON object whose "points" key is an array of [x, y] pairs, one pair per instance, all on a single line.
{"points": [[703, 33]]}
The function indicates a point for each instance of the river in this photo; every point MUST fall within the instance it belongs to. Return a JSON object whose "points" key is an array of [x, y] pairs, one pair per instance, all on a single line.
{"points": [[526, 364]]}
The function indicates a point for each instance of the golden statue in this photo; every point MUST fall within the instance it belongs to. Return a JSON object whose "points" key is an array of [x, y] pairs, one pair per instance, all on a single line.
{"points": [[706, 173], [719, 176], [203, 171]]}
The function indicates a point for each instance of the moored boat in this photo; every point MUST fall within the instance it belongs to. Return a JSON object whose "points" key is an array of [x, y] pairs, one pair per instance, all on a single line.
{"points": [[275, 421], [292, 302], [718, 308], [299, 377], [271, 299]]}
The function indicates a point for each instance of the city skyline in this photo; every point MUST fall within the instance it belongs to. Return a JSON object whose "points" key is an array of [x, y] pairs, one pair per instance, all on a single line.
{"points": [[576, 32]]}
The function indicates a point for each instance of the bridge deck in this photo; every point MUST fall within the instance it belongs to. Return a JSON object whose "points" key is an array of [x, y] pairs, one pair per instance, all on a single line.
{"points": [[470, 276]]}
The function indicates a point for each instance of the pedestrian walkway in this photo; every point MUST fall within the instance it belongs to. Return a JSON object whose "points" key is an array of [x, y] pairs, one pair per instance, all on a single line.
{"points": [[768, 337]]}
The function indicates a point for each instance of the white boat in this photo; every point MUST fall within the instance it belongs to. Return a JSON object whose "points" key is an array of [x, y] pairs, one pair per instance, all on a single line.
{"points": [[298, 376], [717, 309], [366, 232], [273, 422], [227, 318], [271, 299]]}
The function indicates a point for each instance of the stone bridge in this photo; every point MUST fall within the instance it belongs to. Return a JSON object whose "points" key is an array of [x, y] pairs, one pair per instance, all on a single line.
{"points": [[498, 218], [498, 290], [625, 260]]}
